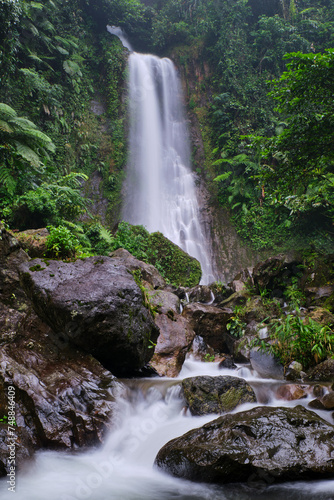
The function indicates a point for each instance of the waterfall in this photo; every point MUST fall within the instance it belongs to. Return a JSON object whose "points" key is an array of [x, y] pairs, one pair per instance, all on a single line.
{"points": [[160, 191]]}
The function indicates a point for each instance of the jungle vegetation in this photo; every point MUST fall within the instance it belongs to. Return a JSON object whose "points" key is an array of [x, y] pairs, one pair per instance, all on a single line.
{"points": [[263, 96]]}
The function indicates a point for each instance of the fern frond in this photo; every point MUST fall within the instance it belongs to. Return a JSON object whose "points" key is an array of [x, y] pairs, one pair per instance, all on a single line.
{"points": [[5, 127], [6, 111], [28, 154], [22, 123], [7, 179], [42, 139]]}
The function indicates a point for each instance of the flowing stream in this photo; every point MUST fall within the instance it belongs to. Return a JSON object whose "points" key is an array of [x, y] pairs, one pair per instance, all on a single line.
{"points": [[148, 413], [160, 191]]}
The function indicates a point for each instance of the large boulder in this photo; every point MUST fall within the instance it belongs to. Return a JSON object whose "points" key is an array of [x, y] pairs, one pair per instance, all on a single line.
{"points": [[63, 398], [210, 323], [148, 272], [206, 394], [280, 444], [96, 305]]}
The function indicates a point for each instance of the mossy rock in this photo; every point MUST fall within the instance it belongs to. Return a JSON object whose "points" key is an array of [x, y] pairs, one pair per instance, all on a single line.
{"points": [[178, 267], [175, 265], [205, 395]]}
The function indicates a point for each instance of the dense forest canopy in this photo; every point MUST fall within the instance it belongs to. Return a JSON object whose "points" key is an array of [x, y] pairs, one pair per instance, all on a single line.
{"points": [[266, 117]]}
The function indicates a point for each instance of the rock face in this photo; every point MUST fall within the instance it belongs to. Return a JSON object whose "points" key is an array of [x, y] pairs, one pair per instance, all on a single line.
{"points": [[96, 305], [205, 395], [280, 444], [210, 323]]}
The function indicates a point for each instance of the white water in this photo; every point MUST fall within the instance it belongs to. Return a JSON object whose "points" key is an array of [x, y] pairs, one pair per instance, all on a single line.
{"points": [[148, 413], [160, 189], [115, 30]]}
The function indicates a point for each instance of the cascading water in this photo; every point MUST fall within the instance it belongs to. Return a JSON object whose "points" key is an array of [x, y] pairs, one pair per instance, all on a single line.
{"points": [[160, 188], [148, 413]]}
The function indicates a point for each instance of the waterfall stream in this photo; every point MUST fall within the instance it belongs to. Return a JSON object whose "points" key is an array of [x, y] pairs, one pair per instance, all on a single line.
{"points": [[160, 191], [148, 413]]}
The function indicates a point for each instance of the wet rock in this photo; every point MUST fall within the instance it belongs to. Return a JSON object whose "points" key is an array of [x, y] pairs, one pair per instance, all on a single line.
{"points": [[323, 372], [280, 444], [210, 323], [291, 392], [266, 365], [165, 302], [63, 398], [33, 241], [200, 349], [294, 371], [316, 404], [174, 341], [200, 293], [237, 285], [148, 272], [205, 395], [236, 299], [96, 305], [328, 401], [220, 291], [227, 362], [318, 391], [264, 272]]}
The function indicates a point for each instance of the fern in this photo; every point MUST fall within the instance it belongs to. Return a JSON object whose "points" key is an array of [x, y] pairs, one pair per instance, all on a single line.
{"points": [[28, 154], [7, 179], [6, 112], [5, 127]]}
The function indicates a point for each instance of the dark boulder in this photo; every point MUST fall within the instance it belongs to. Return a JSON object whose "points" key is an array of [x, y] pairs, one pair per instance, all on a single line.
{"points": [[96, 305], [281, 444], [210, 323], [63, 398], [206, 394], [323, 372], [148, 272]]}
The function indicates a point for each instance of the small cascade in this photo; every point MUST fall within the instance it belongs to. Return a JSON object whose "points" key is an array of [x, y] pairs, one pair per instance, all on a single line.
{"points": [[115, 30], [160, 191]]}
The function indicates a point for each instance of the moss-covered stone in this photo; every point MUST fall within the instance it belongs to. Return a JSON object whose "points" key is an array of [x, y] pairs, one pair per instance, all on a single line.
{"points": [[206, 395], [178, 267]]}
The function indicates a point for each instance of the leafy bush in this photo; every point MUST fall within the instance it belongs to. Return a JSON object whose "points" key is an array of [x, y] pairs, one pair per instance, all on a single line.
{"points": [[295, 339], [61, 243]]}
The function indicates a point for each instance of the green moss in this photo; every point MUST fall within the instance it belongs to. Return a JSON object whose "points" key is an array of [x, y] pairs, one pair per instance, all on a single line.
{"points": [[38, 267], [175, 265], [178, 267]]}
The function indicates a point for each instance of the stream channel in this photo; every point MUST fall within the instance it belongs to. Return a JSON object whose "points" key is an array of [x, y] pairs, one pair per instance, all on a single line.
{"points": [[148, 413]]}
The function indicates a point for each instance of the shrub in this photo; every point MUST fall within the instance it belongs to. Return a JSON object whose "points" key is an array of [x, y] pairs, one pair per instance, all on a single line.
{"points": [[295, 339], [61, 243]]}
